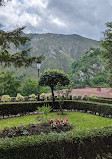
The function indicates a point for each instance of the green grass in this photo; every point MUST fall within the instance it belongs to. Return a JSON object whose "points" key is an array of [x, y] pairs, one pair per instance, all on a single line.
{"points": [[80, 121]]}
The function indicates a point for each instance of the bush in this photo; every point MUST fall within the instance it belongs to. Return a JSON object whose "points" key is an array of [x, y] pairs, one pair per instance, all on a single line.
{"points": [[59, 96], [55, 123], [69, 145], [6, 98], [45, 109], [101, 100], [74, 97], [50, 96], [19, 97], [67, 96], [32, 97], [94, 96], [25, 107], [84, 97], [43, 96]]}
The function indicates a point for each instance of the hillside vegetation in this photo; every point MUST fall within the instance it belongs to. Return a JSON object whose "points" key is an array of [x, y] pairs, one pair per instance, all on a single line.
{"points": [[89, 70], [60, 52]]}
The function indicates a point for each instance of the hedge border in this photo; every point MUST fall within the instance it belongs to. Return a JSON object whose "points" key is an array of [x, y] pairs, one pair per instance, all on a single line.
{"points": [[85, 144], [22, 108], [101, 100]]}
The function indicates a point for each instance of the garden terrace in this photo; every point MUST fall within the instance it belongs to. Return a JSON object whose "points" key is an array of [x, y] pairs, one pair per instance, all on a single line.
{"points": [[90, 138]]}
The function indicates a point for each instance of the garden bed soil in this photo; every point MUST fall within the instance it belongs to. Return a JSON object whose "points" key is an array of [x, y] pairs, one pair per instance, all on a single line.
{"points": [[33, 129]]}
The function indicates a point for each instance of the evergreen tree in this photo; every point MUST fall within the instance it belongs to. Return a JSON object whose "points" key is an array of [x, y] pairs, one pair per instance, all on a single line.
{"points": [[106, 43], [16, 38]]}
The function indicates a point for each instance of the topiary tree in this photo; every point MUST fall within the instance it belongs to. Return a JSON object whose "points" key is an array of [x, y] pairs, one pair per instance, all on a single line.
{"points": [[32, 97], [50, 96], [75, 97], [6, 98], [84, 97], [51, 78], [43, 96], [19, 98], [93, 96]]}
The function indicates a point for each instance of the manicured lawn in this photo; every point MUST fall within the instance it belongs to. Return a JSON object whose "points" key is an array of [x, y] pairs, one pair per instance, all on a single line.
{"points": [[80, 121]]}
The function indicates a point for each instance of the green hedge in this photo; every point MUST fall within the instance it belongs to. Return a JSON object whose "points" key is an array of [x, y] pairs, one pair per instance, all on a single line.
{"points": [[25, 107], [101, 100], [69, 145], [14, 108], [94, 107]]}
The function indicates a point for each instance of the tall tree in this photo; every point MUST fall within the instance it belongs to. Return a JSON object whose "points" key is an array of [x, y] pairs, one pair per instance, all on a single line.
{"points": [[106, 43], [29, 87], [51, 78], [9, 85], [16, 38]]}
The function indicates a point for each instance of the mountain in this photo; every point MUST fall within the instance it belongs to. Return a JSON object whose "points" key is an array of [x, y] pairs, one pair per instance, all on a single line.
{"points": [[89, 70], [60, 52]]}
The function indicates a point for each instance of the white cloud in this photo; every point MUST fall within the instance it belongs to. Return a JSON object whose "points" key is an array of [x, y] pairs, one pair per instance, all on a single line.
{"points": [[35, 3], [58, 22], [83, 17]]}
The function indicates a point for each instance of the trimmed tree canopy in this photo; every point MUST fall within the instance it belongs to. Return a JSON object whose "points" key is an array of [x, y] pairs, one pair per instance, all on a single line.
{"points": [[52, 77]]}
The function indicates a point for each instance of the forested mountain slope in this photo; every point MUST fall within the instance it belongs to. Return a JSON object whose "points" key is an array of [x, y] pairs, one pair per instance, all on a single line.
{"points": [[60, 52]]}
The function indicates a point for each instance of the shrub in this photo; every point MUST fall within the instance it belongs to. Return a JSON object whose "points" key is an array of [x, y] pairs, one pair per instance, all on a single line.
{"points": [[59, 96], [55, 123], [101, 100], [43, 96], [45, 109], [14, 108], [66, 94], [32, 97], [84, 97], [69, 145], [6, 98], [19, 97], [93, 96], [74, 97], [50, 96]]}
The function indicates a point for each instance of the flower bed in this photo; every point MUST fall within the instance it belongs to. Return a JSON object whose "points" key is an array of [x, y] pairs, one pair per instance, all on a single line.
{"points": [[53, 125]]}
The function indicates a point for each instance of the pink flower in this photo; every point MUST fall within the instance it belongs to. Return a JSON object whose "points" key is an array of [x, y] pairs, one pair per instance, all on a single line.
{"points": [[66, 119]]}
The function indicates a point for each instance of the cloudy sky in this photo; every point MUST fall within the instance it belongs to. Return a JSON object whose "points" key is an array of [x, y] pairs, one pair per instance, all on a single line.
{"points": [[83, 17]]}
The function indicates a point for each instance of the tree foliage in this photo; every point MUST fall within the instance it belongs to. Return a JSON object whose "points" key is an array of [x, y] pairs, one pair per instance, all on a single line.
{"points": [[89, 70], [52, 77], [106, 43], [9, 85], [16, 38], [29, 87]]}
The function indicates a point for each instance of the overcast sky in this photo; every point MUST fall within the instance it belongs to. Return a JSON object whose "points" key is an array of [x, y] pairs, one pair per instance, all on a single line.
{"points": [[83, 17]]}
